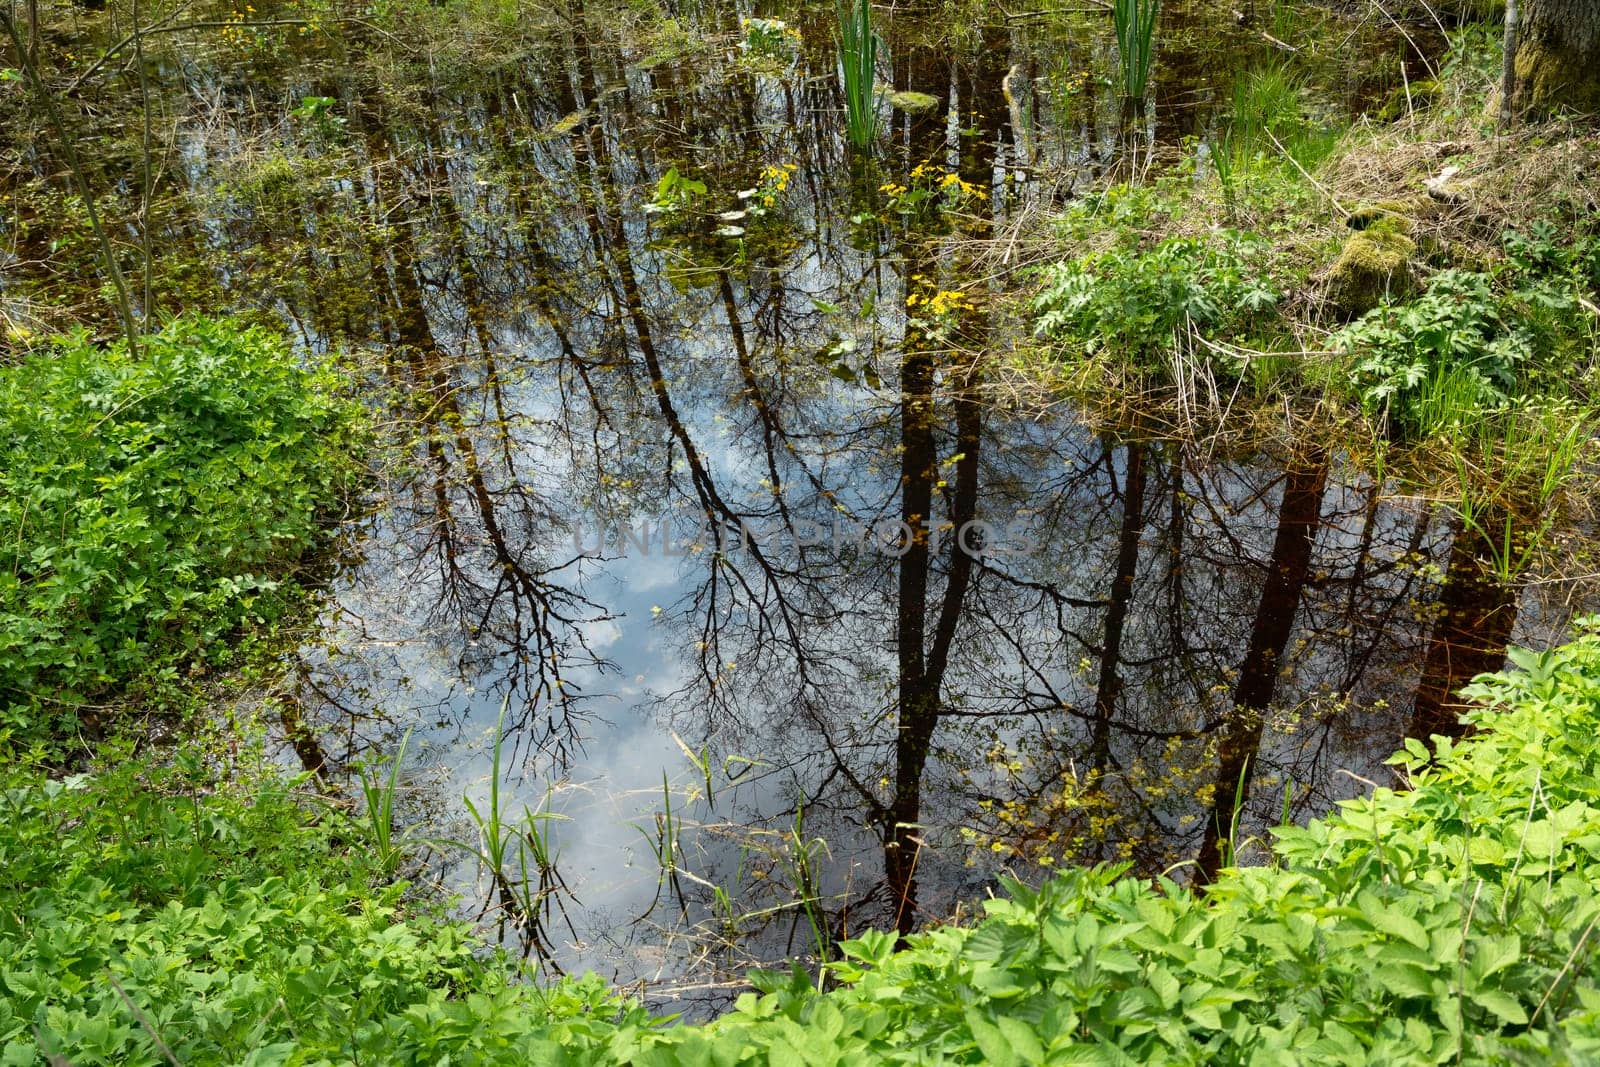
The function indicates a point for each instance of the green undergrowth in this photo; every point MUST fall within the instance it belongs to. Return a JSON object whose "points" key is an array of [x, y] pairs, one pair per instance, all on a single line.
{"points": [[157, 506], [1248, 274], [1217, 306], [1475, 341], [151, 916], [155, 915]]}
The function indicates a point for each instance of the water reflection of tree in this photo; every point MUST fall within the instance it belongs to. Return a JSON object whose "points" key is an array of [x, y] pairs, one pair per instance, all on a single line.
{"points": [[1473, 619], [1140, 687], [549, 342]]}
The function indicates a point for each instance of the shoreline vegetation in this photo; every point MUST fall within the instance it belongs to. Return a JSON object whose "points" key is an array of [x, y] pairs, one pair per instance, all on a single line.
{"points": [[193, 912], [1416, 296], [169, 505]]}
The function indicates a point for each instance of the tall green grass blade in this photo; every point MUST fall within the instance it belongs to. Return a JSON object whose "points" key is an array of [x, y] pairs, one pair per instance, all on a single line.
{"points": [[1135, 22], [379, 796], [858, 52]]}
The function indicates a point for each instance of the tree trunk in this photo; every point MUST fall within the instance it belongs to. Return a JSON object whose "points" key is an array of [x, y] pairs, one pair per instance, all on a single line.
{"points": [[1558, 56]]}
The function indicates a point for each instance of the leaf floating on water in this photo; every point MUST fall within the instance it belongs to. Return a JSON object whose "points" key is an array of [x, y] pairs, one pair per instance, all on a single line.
{"points": [[913, 103], [732, 216], [729, 231], [569, 122]]}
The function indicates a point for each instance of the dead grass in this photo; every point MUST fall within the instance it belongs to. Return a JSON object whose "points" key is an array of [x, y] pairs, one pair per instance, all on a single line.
{"points": [[1499, 182]]}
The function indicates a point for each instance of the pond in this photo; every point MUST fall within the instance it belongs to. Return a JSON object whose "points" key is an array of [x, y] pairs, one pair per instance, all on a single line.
{"points": [[716, 549]]}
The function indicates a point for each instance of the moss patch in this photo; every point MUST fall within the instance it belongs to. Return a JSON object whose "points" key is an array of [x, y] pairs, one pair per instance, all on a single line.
{"points": [[1398, 215], [913, 103], [1552, 78], [1374, 263]]}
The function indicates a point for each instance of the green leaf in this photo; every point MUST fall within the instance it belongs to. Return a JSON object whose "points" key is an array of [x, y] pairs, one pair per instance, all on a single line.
{"points": [[1503, 1005], [1024, 1041], [991, 1041], [1390, 921], [1492, 955]]}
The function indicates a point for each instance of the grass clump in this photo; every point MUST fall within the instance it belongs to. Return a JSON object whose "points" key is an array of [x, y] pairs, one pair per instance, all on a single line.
{"points": [[155, 505], [858, 54], [1135, 24]]}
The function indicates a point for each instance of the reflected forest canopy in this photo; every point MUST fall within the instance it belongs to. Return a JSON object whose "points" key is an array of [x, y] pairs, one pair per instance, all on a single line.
{"points": [[805, 465]]}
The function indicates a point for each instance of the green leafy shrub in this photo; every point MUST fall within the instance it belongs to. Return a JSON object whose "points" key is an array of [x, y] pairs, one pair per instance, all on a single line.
{"points": [[1451, 923], [152, 504], [1136, 305], [1474, 342], [1445, 357], [1551, 273], [147, 917]]}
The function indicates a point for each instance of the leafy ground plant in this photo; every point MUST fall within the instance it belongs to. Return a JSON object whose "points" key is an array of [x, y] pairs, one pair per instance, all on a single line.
{"points": [[148, 917], [1135, 306], [1442, 359], [154, 503]]}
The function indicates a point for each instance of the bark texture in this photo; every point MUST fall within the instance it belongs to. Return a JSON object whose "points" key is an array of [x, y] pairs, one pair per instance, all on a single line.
{"points": [[1558, 56]]}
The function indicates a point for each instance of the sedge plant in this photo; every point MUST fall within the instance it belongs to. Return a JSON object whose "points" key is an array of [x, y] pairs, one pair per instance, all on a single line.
{"points": [[858, 52], [378, 792], [1135, 22]]}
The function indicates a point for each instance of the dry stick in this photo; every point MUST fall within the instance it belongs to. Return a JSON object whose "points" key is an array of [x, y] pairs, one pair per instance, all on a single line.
{"points": [[1587, 930], [1304, 173], [905, 901], [1432, 73], [55, 1058], [33, 31], [77, 82], [144, 164], [53, 113], [1434, 15], [165, 26], [1508, 67], [144, 1020]]}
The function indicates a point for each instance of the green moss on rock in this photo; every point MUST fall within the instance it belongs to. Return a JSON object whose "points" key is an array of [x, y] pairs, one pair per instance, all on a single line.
{"points": [[1397, 215], [1374, 263]]}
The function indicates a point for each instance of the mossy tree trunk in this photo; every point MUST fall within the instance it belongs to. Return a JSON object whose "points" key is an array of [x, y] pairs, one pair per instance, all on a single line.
{"points": [[1558, 56]]}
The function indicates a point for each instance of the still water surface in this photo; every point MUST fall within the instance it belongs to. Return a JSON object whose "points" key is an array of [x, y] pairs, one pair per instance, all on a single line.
{"points": [[662, 442]]}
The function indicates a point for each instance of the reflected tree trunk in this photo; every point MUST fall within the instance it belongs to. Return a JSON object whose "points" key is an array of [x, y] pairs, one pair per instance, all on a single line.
{"points": [[1299, 516], [922, 658], [1109, 688], [1475, 615]]}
